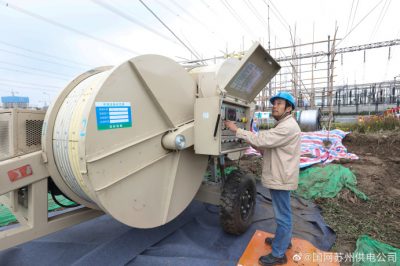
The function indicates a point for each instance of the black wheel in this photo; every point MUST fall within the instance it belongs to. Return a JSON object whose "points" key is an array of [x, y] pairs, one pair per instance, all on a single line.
{"points": [[238, 201]]}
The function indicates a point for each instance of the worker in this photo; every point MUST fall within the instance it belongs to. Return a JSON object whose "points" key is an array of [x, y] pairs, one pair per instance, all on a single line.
{"points": [[281, 157]]}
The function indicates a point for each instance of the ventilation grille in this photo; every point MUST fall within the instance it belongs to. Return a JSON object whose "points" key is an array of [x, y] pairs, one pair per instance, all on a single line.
{"points": [[4, 139], [33, 132]]}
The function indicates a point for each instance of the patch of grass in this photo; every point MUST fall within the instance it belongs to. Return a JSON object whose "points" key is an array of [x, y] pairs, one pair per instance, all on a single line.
{"points": [[370, 124], [350, 220]]}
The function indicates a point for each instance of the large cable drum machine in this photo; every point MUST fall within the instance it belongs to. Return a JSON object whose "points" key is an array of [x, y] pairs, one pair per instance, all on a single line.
{"points": [[134, 141]]}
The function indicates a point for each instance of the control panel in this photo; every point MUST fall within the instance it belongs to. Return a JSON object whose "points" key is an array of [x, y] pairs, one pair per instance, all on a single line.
{"points": [[210, 130], [226, 93], [234, 113]]}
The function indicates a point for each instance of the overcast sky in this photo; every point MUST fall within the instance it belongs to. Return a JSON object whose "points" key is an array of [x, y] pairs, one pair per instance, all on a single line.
{"points": [[45, 44]]}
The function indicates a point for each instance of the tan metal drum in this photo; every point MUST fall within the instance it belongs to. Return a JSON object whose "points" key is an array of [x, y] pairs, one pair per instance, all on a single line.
{"points": [[102, 141]]}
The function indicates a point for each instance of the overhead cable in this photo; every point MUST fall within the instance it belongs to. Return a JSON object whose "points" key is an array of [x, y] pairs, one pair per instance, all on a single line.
{"points": [[354, 15], [165, 25], [380, 18], [28, 83], [207, 28], [130, 18], [38, 59], [45, 54], [237, 17], [325, 54], [34, 69], [30, 73], [351, 13], [28, 87], [255, 12], [279, 14], [281, 20], [65, 27], [360, 22]]}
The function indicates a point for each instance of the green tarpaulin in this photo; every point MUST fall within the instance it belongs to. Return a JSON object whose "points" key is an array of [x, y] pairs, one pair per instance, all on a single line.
{"points": [[6, 217], [370, 252], [326, 182]]}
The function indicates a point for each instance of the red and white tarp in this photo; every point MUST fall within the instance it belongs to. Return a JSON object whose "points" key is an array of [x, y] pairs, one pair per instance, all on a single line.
{"points": [[313, 149]]}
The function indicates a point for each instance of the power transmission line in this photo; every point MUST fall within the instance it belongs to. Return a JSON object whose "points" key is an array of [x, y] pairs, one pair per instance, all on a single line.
{"points": [[38, 59], [28, 87], [165, 25], [360, 22], [41, 53], [380, 18], [278, 12], [325, 54], [208, 6], [65, 27], [282, 21], [279, 15], [242, 23], [348, 20], [190, 15], [254, 11], [355, 12], [32, 68], [217, 15], [28, 83], [190, 45], [130, 18], [166, 7], [30, 73], [169, 9]]}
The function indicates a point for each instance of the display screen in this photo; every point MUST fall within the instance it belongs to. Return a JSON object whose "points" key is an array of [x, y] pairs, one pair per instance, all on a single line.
{"points": [[247, 78], [230, 114]]}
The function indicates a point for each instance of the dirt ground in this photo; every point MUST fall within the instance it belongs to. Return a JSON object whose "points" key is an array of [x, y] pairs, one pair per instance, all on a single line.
{"points": [[378, 176]]}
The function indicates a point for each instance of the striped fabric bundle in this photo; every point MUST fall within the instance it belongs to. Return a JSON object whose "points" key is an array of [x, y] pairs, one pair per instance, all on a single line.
{"points": [[317, 148]]}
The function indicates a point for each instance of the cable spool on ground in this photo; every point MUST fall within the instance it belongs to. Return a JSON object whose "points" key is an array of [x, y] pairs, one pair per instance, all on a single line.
{"points": [[103, 139], [310, 120]]}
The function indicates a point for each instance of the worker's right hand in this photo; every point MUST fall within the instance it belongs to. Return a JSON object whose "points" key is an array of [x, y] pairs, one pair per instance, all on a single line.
{"points": [[231, 125]]}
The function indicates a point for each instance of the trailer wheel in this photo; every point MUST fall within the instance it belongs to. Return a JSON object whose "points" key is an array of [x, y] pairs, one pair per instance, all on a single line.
{"points": [[238, 201]]}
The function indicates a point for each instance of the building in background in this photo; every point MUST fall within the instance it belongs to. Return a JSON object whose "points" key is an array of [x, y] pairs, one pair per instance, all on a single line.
{"points": [[14, 102]]}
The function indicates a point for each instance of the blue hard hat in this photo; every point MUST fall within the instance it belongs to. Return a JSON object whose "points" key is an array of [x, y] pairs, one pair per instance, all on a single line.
{"points": [[286, 96]]}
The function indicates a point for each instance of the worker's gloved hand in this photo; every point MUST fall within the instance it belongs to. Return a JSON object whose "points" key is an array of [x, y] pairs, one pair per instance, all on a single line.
{"points": [[231, 125]]}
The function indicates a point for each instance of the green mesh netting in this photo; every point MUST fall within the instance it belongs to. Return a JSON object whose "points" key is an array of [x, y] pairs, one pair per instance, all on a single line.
{"points": [[326, 182], [6, 217], [370, 252]]}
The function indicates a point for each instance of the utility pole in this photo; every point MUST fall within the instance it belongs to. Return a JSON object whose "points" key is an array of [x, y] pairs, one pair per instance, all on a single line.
{"points": [[300, 100], [269, 34], [330, 87], [280, 75], [269, 51], [328, 65], [312, 98], [294, 57]]}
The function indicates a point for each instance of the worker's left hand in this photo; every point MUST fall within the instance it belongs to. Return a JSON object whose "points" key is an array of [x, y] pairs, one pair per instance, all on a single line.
{"points": [[231, 125]]}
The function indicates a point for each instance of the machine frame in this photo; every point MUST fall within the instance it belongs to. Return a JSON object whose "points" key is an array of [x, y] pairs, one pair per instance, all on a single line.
{"points": [[25, 176], [24, 188]]}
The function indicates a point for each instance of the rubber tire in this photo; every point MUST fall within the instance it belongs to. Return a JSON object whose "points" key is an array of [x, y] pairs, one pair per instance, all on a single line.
{"points": [[231, 219]]}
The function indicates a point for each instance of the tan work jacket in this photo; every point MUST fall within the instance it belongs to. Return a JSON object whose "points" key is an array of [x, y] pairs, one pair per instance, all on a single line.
{"points": [[281, 146]]}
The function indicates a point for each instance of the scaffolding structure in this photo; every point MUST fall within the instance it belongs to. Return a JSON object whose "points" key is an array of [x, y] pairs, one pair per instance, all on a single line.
{"points": [[310, 77]]}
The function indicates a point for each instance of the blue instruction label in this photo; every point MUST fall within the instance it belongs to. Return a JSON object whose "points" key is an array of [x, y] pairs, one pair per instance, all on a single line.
{"points": [[113, 115]]}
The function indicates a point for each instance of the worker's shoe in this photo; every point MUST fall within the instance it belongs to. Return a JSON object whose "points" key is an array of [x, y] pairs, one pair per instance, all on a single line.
{"points": [[270, 260], [269, 241]]}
